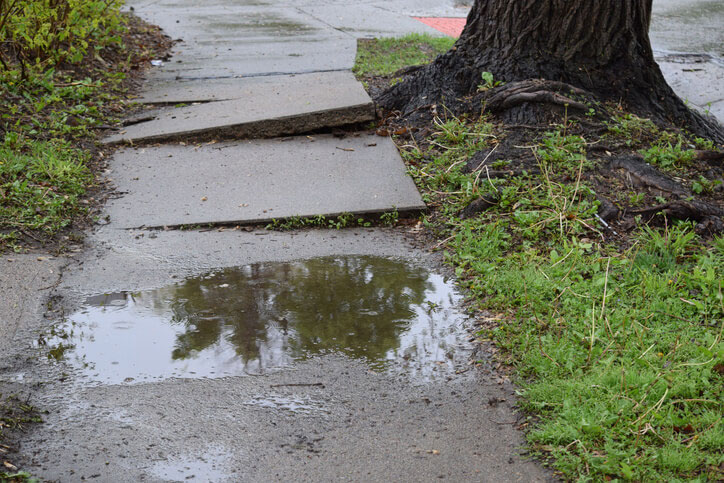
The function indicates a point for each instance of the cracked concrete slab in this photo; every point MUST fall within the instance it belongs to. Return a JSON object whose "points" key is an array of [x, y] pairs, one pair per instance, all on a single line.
{"points": [[257, 181], [257, 107]]}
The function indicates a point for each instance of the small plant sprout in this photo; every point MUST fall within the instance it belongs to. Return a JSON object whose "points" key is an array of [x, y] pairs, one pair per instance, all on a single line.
{"points": [[489, 82]]}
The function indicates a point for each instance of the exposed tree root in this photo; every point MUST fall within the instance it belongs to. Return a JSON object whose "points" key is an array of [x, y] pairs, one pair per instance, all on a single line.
{"points": [[708, 216], [483, 203], [641, 175], [534, 91], [607, 210]]}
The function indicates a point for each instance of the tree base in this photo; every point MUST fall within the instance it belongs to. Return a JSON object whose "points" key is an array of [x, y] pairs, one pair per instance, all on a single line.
{"points": [[536, 101]]}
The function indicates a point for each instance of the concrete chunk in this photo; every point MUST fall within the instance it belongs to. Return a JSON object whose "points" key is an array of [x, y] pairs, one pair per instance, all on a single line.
{"points": [[250, 182]]}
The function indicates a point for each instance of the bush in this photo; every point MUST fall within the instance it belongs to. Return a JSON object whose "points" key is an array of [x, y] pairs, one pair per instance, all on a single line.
{"points": [[38, 34]]}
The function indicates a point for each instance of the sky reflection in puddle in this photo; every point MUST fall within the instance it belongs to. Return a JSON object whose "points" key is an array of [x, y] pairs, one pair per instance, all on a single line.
{"points": [[252, 319]]}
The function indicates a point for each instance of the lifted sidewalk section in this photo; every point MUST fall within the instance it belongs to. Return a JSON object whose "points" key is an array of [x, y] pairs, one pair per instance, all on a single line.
{"points": [[257, 107]]}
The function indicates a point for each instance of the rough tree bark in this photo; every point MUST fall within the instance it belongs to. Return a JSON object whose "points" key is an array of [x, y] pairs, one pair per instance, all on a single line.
{"points": [[601, 46]]}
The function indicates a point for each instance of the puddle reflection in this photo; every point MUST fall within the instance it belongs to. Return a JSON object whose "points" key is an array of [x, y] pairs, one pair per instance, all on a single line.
{"points": [[263, 316]]}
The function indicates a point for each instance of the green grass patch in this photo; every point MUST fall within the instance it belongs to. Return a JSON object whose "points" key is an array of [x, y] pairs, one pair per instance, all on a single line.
{"points": [[618, 352], [41, 183], [384, 57]]}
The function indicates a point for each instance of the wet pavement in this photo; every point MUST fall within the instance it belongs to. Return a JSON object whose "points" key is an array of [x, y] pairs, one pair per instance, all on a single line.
{"points": [[346, 353], [231, 355]]}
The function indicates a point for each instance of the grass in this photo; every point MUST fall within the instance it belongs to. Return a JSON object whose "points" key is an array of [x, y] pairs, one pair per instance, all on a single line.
{"points": [[41, 183], [47, 122], [618, 352], [616, 347], [384, 57]]}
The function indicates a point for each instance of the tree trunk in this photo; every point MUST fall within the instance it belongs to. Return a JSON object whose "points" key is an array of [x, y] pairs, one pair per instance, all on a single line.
{"points": [[601, 46]]}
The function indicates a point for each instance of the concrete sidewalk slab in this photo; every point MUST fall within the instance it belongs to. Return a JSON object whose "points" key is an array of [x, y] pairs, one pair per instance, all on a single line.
{"points": [[242, 40], [257, 59], [256, 181], [257, 107], [688, 74], [367, 20]]}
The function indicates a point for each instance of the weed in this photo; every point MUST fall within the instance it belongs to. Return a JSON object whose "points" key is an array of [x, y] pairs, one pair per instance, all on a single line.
{"points": [[489, 82], [631, 128], [390, 218], [705, 144], [704, 185], [562, 150], [668, 156], [635, 199]]}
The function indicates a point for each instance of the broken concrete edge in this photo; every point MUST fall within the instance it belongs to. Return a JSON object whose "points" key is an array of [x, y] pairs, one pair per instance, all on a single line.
{"points": [[406, 212], [161, 104], [269, 128]]}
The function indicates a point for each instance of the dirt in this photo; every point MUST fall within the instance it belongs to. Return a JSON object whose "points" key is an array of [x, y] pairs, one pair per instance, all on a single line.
{"points": [[629, 190]]}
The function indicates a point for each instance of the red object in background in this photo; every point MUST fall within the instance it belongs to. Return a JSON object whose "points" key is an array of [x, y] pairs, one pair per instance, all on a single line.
{"points": [[448, 25]]}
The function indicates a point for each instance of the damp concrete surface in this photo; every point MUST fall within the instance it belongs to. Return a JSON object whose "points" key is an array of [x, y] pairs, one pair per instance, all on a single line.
{"points": [[208, 355], [261, 356]]}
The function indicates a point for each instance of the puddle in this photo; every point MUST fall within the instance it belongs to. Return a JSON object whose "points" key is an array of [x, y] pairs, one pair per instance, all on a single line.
{"points": [[252, 319]]}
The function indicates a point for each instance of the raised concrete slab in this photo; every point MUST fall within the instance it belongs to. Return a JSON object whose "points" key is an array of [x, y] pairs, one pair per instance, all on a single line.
{"points": [[257, 107], [286, 86], [251, 182]]}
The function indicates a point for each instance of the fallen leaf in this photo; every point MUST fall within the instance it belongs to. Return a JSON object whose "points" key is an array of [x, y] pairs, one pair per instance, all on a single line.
{"points": [[688, 429], [10, 466], [204, 198]]}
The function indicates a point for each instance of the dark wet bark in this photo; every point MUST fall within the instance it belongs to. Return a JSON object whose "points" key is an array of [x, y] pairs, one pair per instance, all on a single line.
{"points": [[600, 46]]}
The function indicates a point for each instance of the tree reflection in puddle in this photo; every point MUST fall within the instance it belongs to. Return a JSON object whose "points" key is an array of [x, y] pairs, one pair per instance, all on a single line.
{"points": [[258, 317]]}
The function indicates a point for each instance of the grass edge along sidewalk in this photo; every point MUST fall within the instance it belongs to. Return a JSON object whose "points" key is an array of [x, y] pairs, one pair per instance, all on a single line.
{"points": [[65, 70], [616, 345]]}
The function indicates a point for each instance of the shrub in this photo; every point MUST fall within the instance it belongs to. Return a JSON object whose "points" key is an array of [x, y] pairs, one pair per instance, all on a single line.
{"points": [[38, 34]]}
